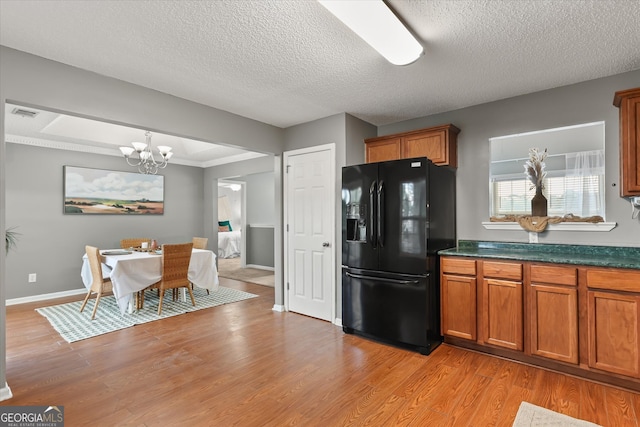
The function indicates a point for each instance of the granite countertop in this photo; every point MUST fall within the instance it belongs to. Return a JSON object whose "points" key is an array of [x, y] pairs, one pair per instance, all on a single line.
{"points": [[601, 256]]}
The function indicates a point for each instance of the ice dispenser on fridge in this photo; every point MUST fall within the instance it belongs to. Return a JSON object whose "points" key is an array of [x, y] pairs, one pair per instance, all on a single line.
{"points": [[356, 222]]}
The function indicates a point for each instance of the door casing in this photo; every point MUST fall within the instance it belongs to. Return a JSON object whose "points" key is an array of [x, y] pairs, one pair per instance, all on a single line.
{"points": [[332, 201]]}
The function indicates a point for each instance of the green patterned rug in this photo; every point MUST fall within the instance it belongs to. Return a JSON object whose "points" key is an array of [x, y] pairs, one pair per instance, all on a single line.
{"points": [[75, 326]]}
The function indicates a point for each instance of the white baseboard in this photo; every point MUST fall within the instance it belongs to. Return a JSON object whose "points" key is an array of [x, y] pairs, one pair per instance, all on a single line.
{"points": [[260, 267], [278, 308], [5, 392], [45, 297], [338, 321]]}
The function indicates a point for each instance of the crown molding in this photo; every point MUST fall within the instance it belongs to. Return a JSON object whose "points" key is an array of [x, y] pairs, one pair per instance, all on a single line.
{"points": [[83, 148]]}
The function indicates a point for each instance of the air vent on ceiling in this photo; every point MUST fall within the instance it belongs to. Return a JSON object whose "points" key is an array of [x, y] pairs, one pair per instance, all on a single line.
{"points": [[24, 113]]}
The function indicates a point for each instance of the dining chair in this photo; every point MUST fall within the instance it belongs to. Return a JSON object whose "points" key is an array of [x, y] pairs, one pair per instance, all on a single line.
{"points": [[99, 283], [175, 271], [133, 242], [200, 242]]}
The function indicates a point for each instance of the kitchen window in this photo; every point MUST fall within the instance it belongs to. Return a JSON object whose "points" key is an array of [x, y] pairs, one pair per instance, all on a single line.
{"points": [[575, 171]]}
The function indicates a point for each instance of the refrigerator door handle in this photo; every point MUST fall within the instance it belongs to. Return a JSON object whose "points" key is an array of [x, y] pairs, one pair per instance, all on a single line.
{"points": [[383, 279], [380, 225], [372, 226]]}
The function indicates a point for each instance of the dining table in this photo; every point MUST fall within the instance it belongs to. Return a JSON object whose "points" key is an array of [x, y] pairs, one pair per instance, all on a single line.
{"points": [[131, 271]]}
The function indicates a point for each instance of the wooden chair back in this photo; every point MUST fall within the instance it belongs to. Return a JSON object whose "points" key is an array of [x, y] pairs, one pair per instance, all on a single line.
{"points": [[200, 242], [98, 284], [175, 265], [134, 242], [175, 273]]}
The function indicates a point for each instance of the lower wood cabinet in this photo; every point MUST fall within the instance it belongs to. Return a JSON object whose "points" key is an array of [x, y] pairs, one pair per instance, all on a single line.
{"points": [[553, 312], [554, 322], [503, 313], [613, 318], [582, 320], [458, 299], [613, 332]]}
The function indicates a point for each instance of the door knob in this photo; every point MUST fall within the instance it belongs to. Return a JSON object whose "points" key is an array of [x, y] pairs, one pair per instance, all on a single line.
{"points": [[326, 244]]}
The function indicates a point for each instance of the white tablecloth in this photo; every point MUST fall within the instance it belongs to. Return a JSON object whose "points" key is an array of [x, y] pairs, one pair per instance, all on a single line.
{"points": [[133, 272]]}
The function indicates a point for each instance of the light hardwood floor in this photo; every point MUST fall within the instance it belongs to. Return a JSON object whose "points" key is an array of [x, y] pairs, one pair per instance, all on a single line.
{"points": [[246, 365]]}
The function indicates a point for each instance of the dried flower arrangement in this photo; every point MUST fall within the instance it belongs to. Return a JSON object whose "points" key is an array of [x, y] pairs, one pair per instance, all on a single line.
{"points": [[534, 167]]}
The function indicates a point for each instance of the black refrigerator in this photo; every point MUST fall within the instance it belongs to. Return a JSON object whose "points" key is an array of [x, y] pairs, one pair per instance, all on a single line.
{"points": [[396, 216]]}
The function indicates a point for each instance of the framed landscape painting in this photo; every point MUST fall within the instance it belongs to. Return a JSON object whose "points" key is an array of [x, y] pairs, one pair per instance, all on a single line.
{"points": [[98, 191]]}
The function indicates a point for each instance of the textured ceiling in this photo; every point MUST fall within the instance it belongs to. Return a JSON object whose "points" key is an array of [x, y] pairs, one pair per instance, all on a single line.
{"points": [[288, 62]]}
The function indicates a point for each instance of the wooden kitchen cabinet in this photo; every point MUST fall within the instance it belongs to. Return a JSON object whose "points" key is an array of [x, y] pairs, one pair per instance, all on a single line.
{"points": [[613, 318], [438, 144], [382, 150], [582, 320], [458, 298], [553, 312], [502, 305], [628, 101]]}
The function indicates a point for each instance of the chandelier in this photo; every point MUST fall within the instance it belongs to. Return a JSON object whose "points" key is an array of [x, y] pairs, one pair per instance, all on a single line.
{"points": [[144, 160]]}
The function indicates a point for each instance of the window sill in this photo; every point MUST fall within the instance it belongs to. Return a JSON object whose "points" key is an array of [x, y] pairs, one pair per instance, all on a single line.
{"points": [[563, 226]]}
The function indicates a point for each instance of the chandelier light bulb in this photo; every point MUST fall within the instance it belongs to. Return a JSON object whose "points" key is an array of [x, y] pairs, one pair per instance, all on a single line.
{"points": [[139, 146], [127, 151]]}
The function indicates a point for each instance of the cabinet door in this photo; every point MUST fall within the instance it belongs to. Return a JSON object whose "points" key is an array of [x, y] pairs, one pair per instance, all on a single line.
{"points": [[503, 312], [458, 311], [614, 343], [432, 145], [629, 103], [382, 150], [554, 322]]}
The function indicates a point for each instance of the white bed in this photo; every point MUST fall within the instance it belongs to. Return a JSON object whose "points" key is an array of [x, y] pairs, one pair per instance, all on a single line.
{"points": [[228, 244]]}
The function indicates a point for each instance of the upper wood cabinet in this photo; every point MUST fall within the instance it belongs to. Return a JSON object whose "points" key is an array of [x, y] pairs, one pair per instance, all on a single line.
{"points": [[438, 144], [629, 103]]}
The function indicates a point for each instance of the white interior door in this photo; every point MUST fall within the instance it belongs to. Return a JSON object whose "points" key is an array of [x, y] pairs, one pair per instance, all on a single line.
{"points": [[310, 181]]}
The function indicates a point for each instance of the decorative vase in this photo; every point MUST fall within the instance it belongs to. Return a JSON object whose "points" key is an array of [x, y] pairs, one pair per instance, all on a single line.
{"points": [[539, 203]]}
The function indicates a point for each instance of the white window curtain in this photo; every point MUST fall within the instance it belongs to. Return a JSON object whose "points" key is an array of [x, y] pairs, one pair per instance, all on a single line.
{"points": [[585, 183]]}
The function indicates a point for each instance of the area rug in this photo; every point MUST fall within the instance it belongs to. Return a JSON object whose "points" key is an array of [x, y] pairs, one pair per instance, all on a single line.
{"points": [[530, 415], [231, 269], [73, 326]]}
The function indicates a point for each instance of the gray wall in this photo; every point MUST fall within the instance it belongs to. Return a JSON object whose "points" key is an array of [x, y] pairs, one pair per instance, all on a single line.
{"points": [[357, 132], [260, 212], [260, 198], [260, 244], [52, 243], [569, 105]]}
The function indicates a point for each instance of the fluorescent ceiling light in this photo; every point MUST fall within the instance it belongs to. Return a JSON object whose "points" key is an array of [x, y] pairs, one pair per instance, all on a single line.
{"points": [[376, 24]]}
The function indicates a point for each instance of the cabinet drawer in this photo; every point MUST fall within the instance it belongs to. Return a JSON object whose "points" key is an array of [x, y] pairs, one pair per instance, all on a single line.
{"points": [[555, 274], [614, 280], [502, 270], [459, 266]]}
